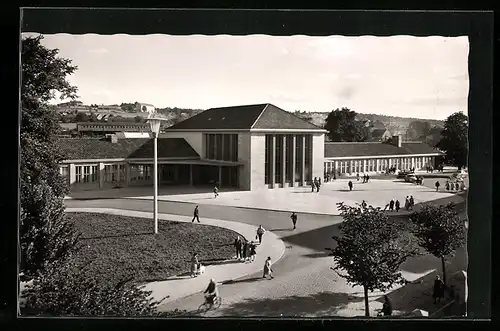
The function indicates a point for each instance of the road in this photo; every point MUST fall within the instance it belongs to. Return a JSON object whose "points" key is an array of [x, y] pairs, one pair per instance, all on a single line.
{"points": [[304, 284]]}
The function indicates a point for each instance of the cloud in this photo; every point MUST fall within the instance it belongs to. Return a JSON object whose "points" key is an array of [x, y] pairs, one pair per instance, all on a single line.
{"points": [[346, 92], [98, 51]]}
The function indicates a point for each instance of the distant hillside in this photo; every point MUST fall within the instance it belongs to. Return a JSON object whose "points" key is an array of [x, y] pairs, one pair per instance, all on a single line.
{"points": [[396, 125]]}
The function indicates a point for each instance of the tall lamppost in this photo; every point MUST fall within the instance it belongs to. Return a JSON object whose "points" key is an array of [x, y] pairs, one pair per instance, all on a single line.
{"points": [[154, 123]]}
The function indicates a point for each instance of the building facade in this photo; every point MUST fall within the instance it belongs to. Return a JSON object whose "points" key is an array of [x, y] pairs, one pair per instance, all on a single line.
{"points": [[250, 147], [378, 157]]}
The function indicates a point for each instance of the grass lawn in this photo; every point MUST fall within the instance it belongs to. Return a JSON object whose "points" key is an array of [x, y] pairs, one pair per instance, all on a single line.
{"points": [[117, 246]]}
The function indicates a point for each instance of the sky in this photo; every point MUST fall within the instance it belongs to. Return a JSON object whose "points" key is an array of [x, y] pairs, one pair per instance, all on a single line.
{"points": [[424, 77]]}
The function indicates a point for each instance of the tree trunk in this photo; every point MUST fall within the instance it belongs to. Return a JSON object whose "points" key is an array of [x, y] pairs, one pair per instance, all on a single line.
{"points": [[444, 269], [367, 307]]}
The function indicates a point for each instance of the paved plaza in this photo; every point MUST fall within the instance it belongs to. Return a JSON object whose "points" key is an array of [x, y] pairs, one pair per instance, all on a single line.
{"points": [[304, 283], [376, 192]]}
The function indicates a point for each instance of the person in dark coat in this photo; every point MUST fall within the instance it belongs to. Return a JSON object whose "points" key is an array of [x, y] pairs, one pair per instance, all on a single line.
{"points": [[313, 184], [350, 185], [437, 185], [367, 178], [245, 251], [387, 306], [196, 215], [412, 202], [438, 290], [238, 246], [253, 251], [391, 205], [293, 217], [398, 205], [357, 177], [407, 203]]}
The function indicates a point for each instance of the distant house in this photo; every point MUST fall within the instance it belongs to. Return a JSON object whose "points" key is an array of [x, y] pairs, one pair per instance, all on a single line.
{"points": [[144, 107], [380, 135], [101, 129]]}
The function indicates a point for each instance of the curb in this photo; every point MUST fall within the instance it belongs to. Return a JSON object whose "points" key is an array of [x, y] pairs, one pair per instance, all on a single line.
{"points": [[179, 218]]}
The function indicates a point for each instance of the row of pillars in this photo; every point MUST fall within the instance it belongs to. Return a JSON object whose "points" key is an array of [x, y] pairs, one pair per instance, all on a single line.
{"points": [[283, 159]]}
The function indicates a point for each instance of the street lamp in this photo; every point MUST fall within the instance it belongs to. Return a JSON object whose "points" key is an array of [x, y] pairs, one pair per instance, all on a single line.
{"points": [[154, 122]]}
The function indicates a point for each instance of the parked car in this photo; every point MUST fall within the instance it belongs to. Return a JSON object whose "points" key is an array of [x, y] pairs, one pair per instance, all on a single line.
{"points": [[411, 178], [402, 174]]}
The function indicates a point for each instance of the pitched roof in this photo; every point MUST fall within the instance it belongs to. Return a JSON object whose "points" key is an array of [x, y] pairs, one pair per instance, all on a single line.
{"points": [[370, 149], [94, 148], [276, 118], [378, 133], [259, 116]]}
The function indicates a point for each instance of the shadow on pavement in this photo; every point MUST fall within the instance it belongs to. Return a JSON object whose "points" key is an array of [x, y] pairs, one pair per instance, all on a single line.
{"points": [[323, 304], [318, 254], [240, 281], [316, 239], [278, 230], [428, 262]]}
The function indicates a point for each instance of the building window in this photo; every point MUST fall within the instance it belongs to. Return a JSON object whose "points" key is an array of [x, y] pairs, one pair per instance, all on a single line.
{"points": [[218, 147], [211, 146], [308, 153], [234, 147], [107, 173], [95, 174], [86, 174], [226, 150], [64, 172], [122, 172], [268, 158], [288, 158], [278, 158], [298, 157]]}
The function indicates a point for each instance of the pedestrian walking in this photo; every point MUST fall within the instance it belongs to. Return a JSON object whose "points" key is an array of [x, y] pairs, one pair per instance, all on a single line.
{"points": [[447, 185], [293, 217], [398, 206], [437, 185], [318, 185], [194, 264], [391, 205], [268, 271], [238, 247], [412, 202], [196, 214], [438, 290], [260, 233], [216, 192], [253, 251], [367, 178], [364, 178], [363, 204], [350, 185], [357, 176], [313, 184], [245, 251], [407, 203]]}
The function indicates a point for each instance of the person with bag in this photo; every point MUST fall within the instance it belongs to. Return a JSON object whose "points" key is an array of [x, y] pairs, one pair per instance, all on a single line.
{"points": [[260, 233]]}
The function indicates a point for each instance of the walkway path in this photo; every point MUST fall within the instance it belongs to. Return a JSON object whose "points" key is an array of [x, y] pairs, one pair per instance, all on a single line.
{"points": [[376, 192], [304, 284], [178, 287]]}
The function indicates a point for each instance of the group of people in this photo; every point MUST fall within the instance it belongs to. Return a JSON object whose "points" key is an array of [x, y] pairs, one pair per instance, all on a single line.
{"points": [[316, 184], [366, 178], [396, 205], [245, 251], [455, 186]]}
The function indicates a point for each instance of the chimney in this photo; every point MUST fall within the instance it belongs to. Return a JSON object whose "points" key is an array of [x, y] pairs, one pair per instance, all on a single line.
{"points": [[397, 140]]}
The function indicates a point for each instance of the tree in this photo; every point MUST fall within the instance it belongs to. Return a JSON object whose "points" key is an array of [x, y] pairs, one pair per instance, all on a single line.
{"points": [[138, 119], [45, 233], [433, 136], [343, 126], [82, 117], [417, 129], [67, 289], [370, 250], [439, 230], [454, 139]]}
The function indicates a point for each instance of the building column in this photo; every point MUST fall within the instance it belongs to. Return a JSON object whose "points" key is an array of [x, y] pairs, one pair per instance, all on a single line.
{"points": [[127, 174], [220, 176], [335, 167], [303, 173], [412, 162], [191, 174], [71, 174], [377, 165], [273, 161], [294, 142], [365, 169], [101, 174], [283, 162]]}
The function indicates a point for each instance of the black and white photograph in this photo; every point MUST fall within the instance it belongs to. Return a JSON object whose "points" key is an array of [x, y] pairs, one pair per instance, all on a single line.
{"points": [[255, 175]]}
